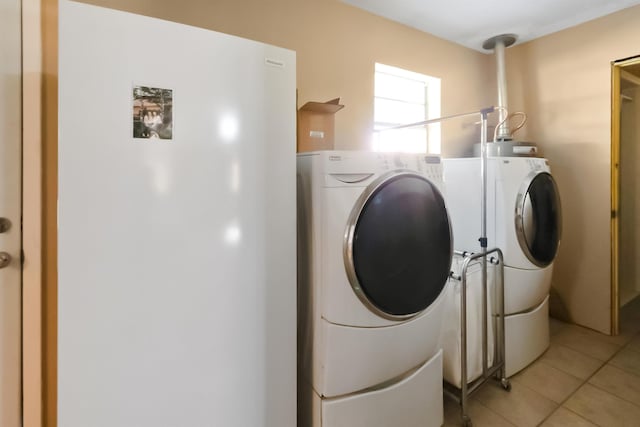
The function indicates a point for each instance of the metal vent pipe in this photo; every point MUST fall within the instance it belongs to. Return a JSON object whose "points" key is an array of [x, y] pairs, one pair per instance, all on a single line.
{"points": [[499, 44]]}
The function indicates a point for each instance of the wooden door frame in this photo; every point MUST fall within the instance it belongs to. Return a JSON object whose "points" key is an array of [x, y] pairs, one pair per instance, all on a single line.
{"points": [[33, 80], [615, 160], [617, 68]]}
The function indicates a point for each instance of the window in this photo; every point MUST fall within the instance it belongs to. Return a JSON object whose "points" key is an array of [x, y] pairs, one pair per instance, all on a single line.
{"points": [[403, 97]]}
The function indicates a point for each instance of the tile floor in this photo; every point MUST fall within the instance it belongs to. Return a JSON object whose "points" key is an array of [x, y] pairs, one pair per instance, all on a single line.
{"points": [[584, 379]]}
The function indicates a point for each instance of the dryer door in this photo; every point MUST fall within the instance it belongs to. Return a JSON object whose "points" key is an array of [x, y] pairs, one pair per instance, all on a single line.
{"points": [[398, 245], [538, 218]]}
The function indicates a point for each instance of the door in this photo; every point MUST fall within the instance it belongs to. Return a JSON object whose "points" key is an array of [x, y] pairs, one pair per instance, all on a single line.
{"points": [[624, 75], [398, 245], [629, 178], [10, 240]]}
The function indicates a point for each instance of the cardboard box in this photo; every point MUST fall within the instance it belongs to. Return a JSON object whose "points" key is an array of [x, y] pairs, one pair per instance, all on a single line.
{"points": [[316, 125]]}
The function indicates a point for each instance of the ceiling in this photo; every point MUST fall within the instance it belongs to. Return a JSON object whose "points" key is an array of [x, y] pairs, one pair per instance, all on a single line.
{"points": [[471, 22]]}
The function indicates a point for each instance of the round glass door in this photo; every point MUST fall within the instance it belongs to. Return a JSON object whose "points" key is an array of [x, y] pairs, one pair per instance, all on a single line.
{"points": [[538, 219], [398, 245]]}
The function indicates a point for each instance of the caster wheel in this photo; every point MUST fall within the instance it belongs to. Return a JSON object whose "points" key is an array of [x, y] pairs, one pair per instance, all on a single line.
{"points": [[505, 384], [466, 421]]}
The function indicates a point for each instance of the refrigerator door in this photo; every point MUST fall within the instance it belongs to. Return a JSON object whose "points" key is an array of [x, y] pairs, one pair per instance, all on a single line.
{"points": [[176, 233]]}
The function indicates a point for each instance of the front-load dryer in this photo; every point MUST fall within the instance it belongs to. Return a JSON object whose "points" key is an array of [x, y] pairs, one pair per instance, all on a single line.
{"points": [[374, 254], [524, 221]]}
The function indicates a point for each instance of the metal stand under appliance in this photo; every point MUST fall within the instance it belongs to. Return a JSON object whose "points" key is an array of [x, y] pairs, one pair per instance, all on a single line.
{"points": [[498, 368]]}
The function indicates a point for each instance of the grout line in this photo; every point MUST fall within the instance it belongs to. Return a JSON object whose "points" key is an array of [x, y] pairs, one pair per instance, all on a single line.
{"points": [[620, 369], [473, 397], [558, 369], [601, 341], [586, 381], [582, 381], [581, 354], [494, 412], [511, 379], [614, 395], [599, 336], [544, 397], [580, 416], [633, 350]]}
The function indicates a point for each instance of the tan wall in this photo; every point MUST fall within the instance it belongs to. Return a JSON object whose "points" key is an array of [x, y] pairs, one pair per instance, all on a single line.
{"points": [[337, 46], [563, 82]]}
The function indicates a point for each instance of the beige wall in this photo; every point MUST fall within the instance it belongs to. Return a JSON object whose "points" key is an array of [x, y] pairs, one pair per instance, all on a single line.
{"points": [[563, 82], [337, 46]]}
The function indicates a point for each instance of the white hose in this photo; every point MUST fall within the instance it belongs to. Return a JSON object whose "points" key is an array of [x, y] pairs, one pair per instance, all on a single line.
{"points": [[508, 117]]}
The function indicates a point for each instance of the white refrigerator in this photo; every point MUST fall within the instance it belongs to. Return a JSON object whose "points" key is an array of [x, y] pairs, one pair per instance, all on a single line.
{"points": [[176, 225]]}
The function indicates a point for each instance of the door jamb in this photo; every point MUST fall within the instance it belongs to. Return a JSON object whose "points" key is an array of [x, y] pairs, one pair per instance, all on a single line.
{"points": [[617, 68]]}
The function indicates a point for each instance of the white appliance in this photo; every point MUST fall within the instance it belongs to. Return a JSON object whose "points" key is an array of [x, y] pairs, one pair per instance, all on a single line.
{"points": [[176, 257], [374, 254], [524, 221]]}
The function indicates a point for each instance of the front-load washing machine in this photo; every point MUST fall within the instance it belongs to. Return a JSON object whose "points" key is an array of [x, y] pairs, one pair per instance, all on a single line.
{"points": [[374, 254], [524, 221]]}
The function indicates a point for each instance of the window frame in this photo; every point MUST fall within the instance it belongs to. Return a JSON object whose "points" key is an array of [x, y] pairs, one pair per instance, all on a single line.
{"points": [[431, 107]]}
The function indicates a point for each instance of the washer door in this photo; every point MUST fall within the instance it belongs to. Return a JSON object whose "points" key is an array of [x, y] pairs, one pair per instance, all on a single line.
{"points": [[398, 245], [538, 218]]}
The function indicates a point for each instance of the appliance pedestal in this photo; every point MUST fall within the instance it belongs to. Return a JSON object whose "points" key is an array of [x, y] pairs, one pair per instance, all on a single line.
{"points": [[413, 401], [526, 337]]}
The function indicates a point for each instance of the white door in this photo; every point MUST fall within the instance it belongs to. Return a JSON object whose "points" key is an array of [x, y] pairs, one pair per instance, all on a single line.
{"points": [[10, 218]]}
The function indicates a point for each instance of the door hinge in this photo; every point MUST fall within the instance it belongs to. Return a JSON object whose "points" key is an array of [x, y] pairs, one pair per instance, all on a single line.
{"points": [[614, 215]]}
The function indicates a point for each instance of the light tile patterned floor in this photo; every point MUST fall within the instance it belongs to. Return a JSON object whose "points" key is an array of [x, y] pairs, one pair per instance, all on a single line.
{"points": [[584, 379]]}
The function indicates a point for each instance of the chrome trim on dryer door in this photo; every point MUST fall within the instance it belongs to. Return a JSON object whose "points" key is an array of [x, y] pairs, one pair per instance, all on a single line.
{"points": [[526, 227], [528, 224], [349, 235]]}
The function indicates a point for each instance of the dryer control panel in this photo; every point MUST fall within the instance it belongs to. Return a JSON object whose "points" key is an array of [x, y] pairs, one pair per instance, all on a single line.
{"points": [[431, 167], [538, 164]]}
